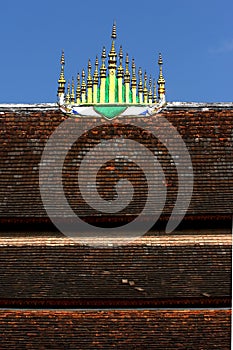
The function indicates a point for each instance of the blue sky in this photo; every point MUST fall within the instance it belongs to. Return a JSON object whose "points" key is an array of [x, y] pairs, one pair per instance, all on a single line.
{"points": [[195, 38]]}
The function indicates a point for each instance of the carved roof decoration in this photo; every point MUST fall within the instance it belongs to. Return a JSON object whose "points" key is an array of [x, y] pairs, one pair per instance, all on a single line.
{"points": [[111, 90]]}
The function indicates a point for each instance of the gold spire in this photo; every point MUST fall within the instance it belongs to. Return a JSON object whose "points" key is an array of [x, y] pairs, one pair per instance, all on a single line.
{"points": [[112, 66], [61, 80], [62, 62], [103, 67], [120, 70], [134, 83], [83, 87], [112, 54], [113, 36], [145, 91], [68, 93], [89, 83], [95, 81], [96, 73], [89, 77], [78, 90], [134, 79], [140, 89], [127, 73], [127, 80], [150, 91], [154, 95], [120, 75], [161, 80], [103, 77], [72, 96]]}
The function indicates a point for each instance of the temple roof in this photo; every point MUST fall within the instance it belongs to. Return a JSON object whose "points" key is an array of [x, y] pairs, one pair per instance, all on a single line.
{"points": [[206, 128]]}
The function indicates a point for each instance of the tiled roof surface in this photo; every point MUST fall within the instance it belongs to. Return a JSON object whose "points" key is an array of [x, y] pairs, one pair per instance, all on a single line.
{"points": [[207, 130], [116, 329], [182, 265], [137, 291]]}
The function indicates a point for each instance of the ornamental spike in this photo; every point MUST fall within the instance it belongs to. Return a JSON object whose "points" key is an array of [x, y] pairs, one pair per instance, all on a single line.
{"points": [[113, 36]]}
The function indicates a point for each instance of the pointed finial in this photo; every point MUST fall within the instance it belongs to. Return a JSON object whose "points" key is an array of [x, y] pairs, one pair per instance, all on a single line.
{"points": [[154, 95], [68, 93], [121, 55], [140, 80], [72, 96], [83, 76], [150, 95], [145, 80], [145, 91], [96, 73], [96, 63], [150, 85], [83, 81], [103, 56], [160, 62], [113, 36], [61, 80], [62, 58], [161, 80], [133, 68], [134, 79], [112, 54], [89, 65], [89, 77], [127, 73], [127, 59], [83, 87], [103, 68], [78, 90], [120, 70]]}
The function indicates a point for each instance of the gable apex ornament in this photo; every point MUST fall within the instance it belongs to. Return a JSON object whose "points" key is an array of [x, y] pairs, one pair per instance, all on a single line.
{"points": [[113, 90]]}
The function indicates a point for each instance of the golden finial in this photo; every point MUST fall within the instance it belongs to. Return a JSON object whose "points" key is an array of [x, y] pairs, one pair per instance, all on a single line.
{"points": [[72, 96], [145, 91], [113, 36], [83, 87], [150, 95], [140, 89], [89, 77], [68, 93], [160, 62], [96, 73], [145, 81], [161, 80], [103, 56], [62, 62], [120, 70], [103, 68], [121, 55], [127, 73], [154, 95], [83, 78], [134, 83], [112, 54], [62, 58], [61, 80], [89, 84], [134, 79], [78, 90]]}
